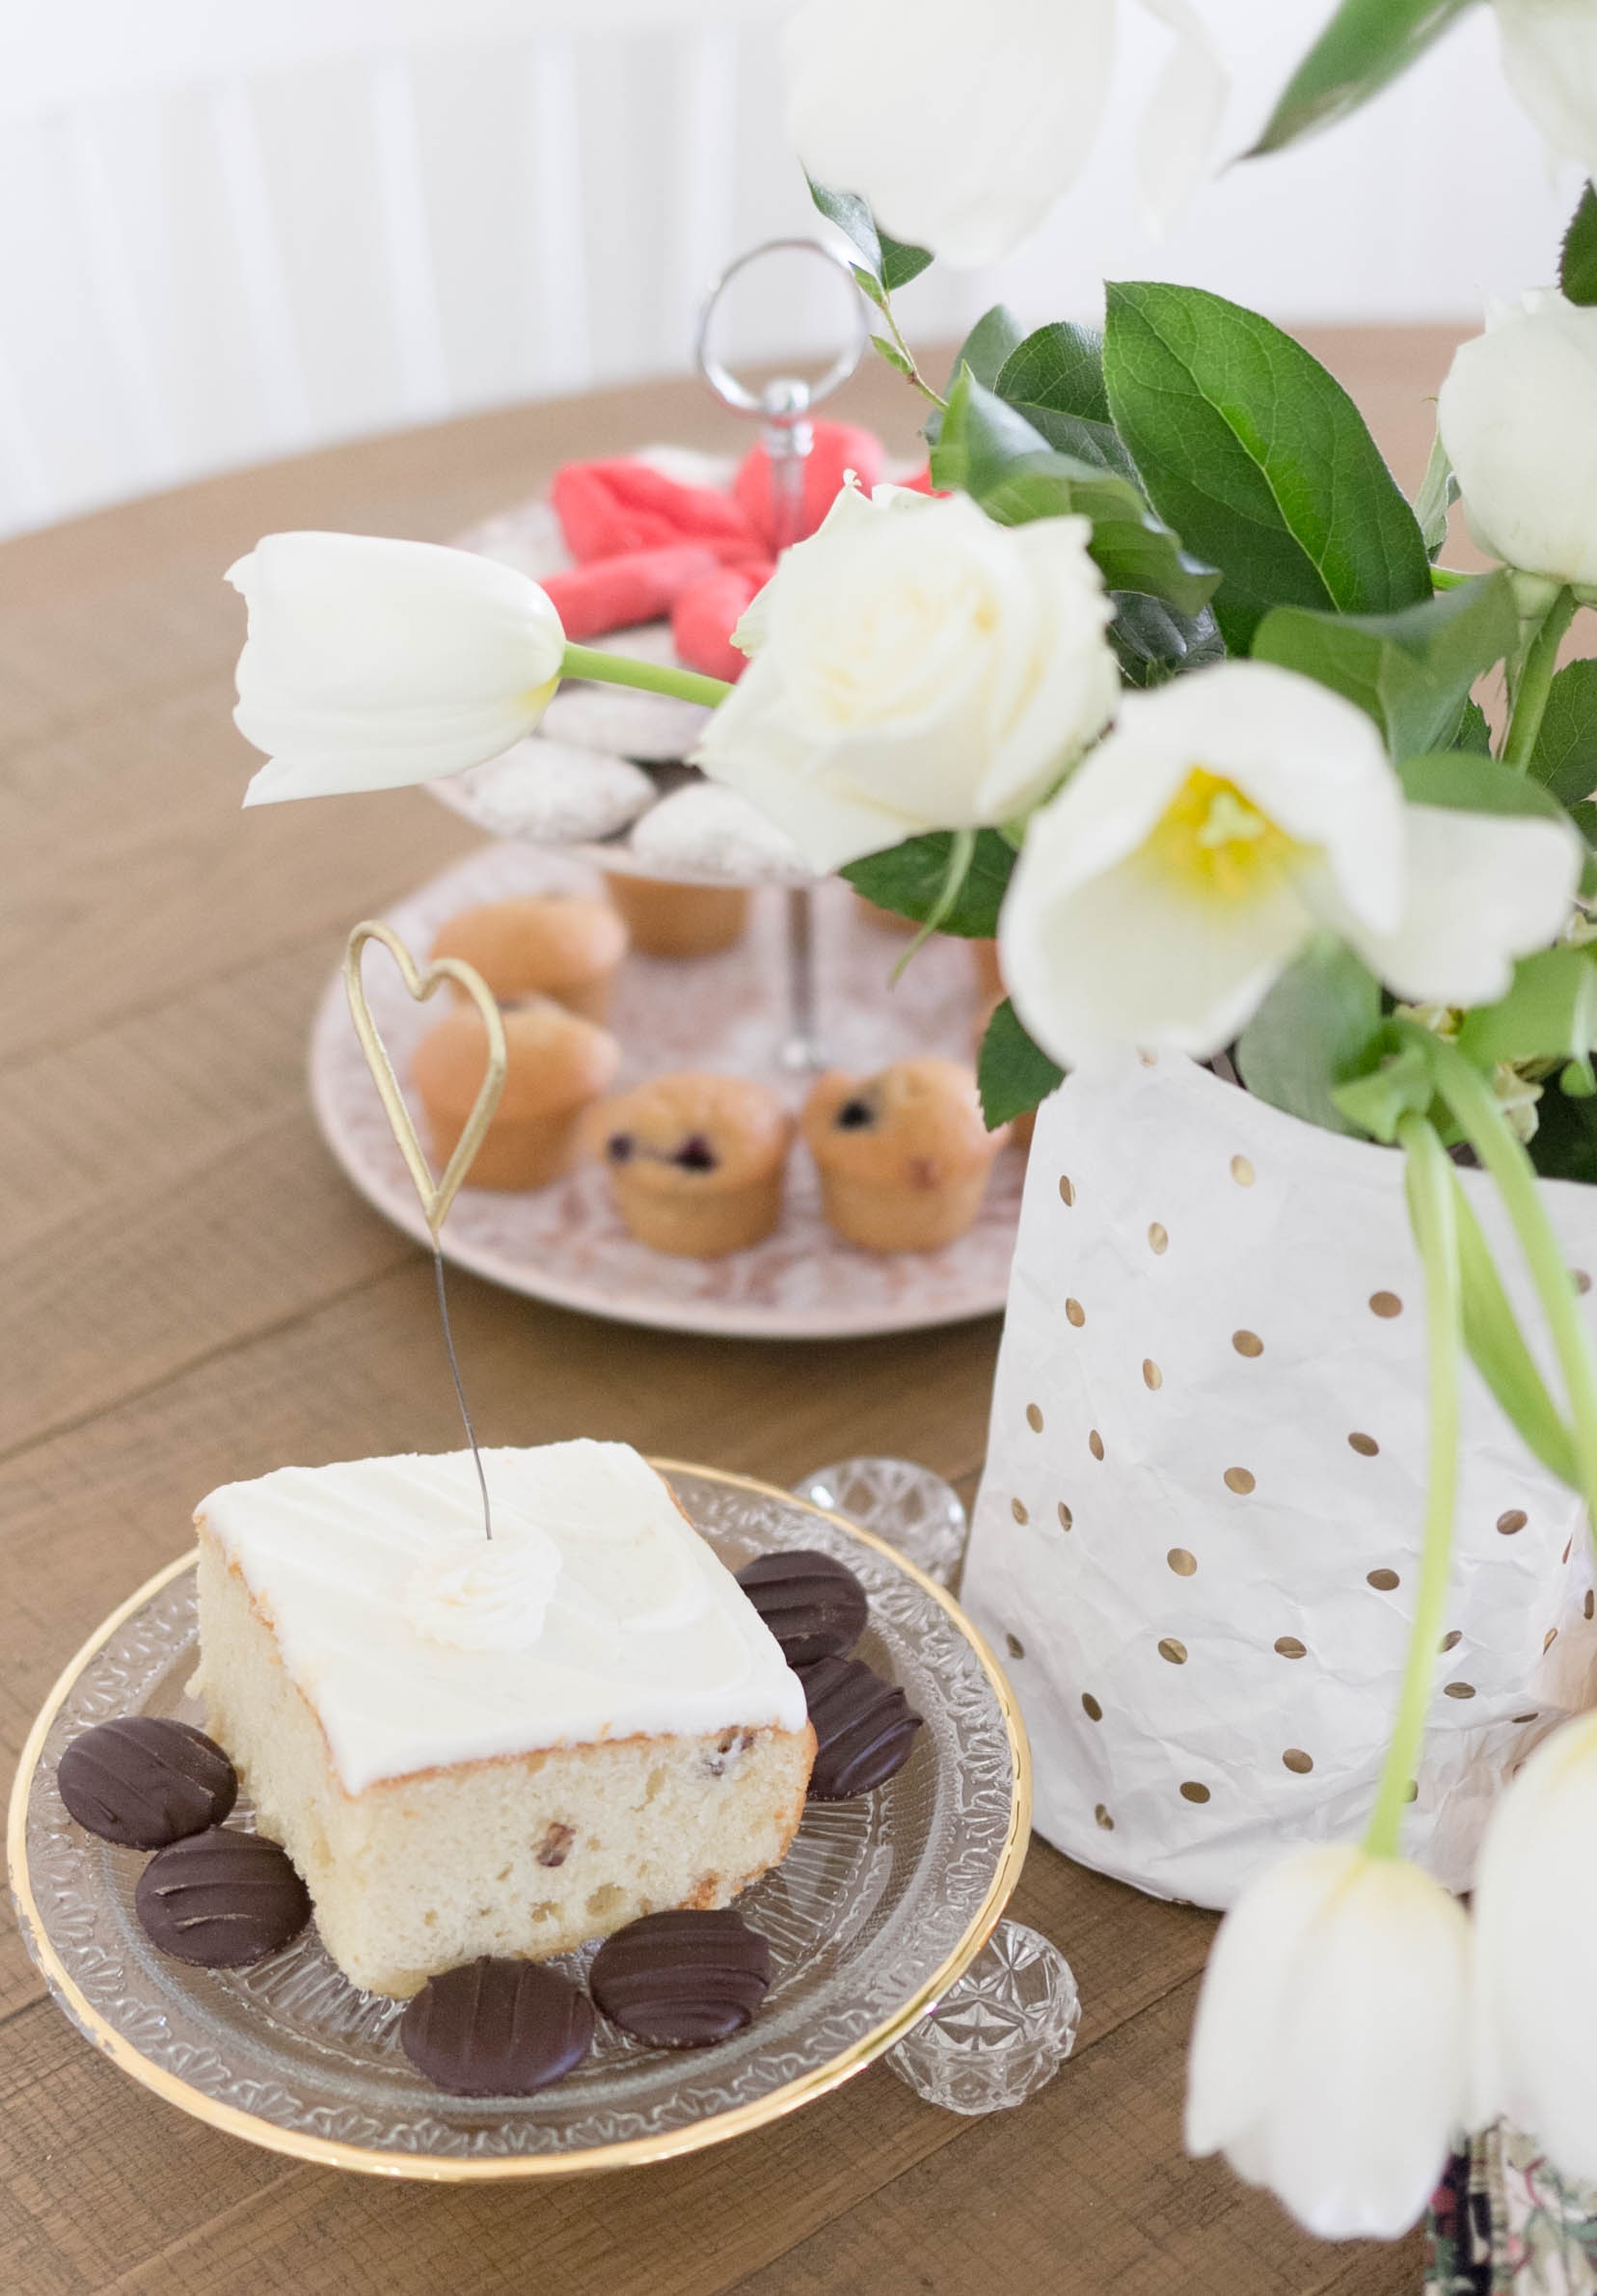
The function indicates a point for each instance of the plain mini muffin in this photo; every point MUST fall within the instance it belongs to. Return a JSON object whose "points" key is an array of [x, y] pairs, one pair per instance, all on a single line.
{"points": [[563, 945], [696, 1162], [904, 1155], [672, 920], [557, 1066]]}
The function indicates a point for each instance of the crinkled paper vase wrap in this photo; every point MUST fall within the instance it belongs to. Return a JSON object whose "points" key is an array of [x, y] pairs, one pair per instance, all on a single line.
{"points": [[1198, 1533]]}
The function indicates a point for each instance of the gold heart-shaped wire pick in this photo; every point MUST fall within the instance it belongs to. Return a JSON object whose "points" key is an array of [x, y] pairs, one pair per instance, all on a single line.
{"points": [[438, 1195]]}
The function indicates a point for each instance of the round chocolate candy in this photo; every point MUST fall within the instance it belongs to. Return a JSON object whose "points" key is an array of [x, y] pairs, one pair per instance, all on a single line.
{"points": [[144, 1781], [497, 2028], [865, 1728], [815, 1606], [220, 1898], [682, 1980]]}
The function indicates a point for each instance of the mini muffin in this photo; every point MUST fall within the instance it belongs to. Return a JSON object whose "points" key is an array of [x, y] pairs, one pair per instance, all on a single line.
{"points": [[557, 1066], [989, 979], [696, 1162], [562, 945], [904, 1155], [671, 920]]}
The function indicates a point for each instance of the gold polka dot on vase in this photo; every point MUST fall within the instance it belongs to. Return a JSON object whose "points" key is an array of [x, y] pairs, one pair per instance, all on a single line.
{"points": [[1067, 1190], [1181, 1562], [1452, 1640], [1066, 1517], [1192, 1791], [1515, 1518], [1104, 1818], [1564, 1557], [1383, 1580], [1018, 1509], [1095, 1444], [1075, 1312], [1458, 1690], [1242, 1172], [1091, 1707], [1385, 1303], [1239, 1480], [1153, 1376], [1524, 1717], [1034, 1419], [1365, 1445], [1174, 1651], [1298, 1761], [1549, 1638], [1015, 1646], [1288, 1646], [1583, 1282], [1247, 1343], [1158, 1237], [1589, 1605]]}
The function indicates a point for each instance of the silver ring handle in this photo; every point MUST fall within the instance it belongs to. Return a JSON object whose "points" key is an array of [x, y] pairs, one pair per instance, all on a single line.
{"points": [[787, 399]]}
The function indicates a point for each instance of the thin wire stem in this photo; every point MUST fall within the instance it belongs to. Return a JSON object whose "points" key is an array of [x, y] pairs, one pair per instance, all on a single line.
{"points": [[460, 1391], [1431, 1210]]}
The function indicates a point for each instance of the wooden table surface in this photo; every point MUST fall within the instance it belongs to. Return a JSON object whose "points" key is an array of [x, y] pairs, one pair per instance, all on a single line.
{"points": [[190, 1293]]}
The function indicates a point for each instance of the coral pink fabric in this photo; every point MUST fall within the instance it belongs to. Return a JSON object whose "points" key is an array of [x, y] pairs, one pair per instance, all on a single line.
{"points": [[706, 614], [606, 508], [640, 586], [839, 446]]}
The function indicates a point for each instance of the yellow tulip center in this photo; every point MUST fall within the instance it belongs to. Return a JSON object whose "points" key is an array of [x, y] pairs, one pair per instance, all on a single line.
{"points": [[1218, 843]]}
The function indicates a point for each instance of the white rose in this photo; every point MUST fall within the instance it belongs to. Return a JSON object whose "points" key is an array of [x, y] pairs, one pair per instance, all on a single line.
{"points": [[373, 663], [1229, 816], [1518, 413], [914, 667], [1550, 57], [960, 127]]}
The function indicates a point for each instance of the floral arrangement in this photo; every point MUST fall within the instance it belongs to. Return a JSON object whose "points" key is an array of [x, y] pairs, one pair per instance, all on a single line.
{"points": [[1163, 687]]}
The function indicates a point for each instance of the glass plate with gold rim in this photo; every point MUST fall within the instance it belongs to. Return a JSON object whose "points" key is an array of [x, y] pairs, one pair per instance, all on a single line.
{"points": [[877, 1908]]}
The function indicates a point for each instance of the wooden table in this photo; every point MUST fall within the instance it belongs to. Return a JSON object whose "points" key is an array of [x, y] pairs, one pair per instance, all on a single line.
{"points": [[190, 1293]]}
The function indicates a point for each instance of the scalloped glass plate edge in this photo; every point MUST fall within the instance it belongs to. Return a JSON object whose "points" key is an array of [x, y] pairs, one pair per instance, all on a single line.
{"points": [[668, 2145]]}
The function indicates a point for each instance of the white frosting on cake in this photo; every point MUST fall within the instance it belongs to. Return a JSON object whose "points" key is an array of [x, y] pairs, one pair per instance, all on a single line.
{"points": [[596, 1613]]}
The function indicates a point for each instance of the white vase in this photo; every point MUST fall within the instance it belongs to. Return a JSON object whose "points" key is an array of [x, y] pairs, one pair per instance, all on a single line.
{"points": [[1197, 1537]]}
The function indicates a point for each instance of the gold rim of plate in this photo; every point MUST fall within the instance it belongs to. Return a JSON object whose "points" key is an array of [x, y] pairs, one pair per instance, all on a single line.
{"points": [[718, 2127]]}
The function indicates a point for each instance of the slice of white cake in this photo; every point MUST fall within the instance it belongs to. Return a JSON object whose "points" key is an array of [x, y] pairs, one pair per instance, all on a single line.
{"points": [[493, 1747]]}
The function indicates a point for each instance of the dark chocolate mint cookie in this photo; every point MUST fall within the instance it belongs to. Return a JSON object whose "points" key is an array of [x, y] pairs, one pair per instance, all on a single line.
{"points": [[813, 1607], [865, 1728], [497, 2028], [220, 1898], [145, 1781], [682, 1980]]}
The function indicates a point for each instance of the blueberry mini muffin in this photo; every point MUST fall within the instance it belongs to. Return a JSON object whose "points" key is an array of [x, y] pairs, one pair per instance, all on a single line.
{"points": [[556, 1066], [562, 945], [696, 1162], [904, 1155]]}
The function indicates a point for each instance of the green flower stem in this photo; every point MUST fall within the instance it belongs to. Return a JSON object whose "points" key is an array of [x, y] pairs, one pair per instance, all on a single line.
{"points": [[1431, 1210], [1535, 681], [1475, 1106], [1443, 577], [884, 304], [653, 677]]}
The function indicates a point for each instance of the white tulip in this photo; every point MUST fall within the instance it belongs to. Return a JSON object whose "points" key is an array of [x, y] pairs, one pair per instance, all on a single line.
{"points": [[1550, 57], [960, 127], [1518, 414], [1536, 2018], [373, 663], [1327, 2058], [914, 667], [1227, 817]]}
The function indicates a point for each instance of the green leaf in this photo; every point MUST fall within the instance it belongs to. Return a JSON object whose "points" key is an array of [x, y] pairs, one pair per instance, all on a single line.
{"points": [[1438, 493], [890, 351], [1411, 671], [1497, 1347], [1471, 732], [1308, 1033], [1155, 642], [1059, 367], [1367, 43], [1472, 784], [890, 262], [988, 346], [1550, 1011], [1259, 458], [991, 451], [910, 879], [1013, 1073], [1578, 263], [1565, 1143], [1399, 1083], [1565, 756]]}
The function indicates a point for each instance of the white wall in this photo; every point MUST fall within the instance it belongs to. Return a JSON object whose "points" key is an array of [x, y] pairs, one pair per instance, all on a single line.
{"points": [[231, 231]]}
